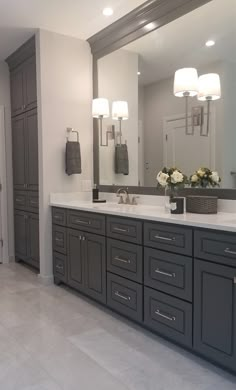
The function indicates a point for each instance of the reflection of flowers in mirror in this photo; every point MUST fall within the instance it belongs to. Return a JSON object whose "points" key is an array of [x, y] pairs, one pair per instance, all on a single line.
{"points": [[171, 178], [204, 177]]}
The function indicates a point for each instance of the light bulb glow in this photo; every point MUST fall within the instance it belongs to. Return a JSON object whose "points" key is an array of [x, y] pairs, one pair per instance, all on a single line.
{"points": [[107, 11]]}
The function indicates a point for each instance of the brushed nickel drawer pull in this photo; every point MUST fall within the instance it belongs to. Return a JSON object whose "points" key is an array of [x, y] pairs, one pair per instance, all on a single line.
{"points": [[33, 201], [169, 318], [60, 267], [57, 217], [19, 200], [126, 261], [227, 250], [235, 280], [121, 230], [58, 239], [118, 294], [171, 275], [164, 238], [83, 222]]}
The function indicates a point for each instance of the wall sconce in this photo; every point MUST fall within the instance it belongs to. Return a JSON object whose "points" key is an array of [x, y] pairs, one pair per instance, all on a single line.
{"points": [[186, 85], [120, 112], [100, 110], [209, 90]]}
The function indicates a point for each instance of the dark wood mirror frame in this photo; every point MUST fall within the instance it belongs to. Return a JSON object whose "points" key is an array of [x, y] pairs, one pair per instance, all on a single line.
{"points": [[126, 30]]}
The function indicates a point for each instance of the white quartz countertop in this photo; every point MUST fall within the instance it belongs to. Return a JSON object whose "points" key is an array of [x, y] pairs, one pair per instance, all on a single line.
{"points": [[220, 221]]}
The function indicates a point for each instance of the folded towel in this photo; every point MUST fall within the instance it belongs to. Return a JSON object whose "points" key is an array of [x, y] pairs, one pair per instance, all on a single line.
{"points": [[121, 159], [73, 158]]}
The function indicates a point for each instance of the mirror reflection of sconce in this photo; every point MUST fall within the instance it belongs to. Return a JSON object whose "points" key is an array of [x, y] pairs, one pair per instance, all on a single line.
{"points": [[186, 85], [100, 110], [209, 90], [120, 112]]}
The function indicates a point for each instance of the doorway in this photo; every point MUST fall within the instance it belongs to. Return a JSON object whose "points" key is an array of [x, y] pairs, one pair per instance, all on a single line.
{"points": [[3, 192]]}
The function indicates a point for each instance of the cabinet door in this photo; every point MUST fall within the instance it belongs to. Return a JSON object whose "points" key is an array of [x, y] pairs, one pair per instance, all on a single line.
{"points": [[33, 239], [17, 90], [30, 84], [215, 312], [21, 233], [75, 260], [19, 152], [94, 252], [31, 120]]}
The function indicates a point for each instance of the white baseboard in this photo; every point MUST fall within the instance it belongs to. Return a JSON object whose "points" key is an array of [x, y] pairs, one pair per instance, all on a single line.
{"points": [[46, 280]]}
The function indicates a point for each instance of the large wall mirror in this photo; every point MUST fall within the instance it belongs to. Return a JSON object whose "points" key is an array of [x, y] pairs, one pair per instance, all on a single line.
{"points": [[150, 121]]}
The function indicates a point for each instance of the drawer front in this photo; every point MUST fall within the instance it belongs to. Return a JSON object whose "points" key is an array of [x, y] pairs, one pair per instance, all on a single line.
{"points": [[124, 229], [86, 221], [33, 201], [168, 272], [214, 246], [125, 297], [125, 259], [168, 238], [59, 216], [60, 267], [20, 200], [168, 316], [59, 239]]}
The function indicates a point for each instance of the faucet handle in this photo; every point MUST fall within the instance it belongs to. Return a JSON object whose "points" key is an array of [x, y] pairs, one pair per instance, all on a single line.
{"points": [[134, 200]]}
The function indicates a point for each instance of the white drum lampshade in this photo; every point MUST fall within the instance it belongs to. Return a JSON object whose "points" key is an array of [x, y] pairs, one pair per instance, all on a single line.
{"points": [[100, 108], [120, 110], [186, 82], [209, 87]]}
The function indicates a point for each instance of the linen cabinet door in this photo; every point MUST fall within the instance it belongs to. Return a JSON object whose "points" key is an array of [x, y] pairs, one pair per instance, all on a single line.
{"points": [[33, 239], [215, 312], [17, 90], [21, 235], [30, 85], [19, 152], [75, 260], [31, 123], [94, 251]]}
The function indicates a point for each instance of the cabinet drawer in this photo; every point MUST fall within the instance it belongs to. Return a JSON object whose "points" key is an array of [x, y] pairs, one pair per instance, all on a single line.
{"points": [[60, 267], [20, 200], [33, 201], [125, 259], [125, 297], [168, 272], [168, 238], [168, 316], [59, 239], [124, 229], [59, 216], [214, 246], [86, 221]]}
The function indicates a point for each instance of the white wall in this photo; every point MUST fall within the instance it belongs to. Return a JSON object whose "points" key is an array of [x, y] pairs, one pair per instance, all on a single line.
{"points": [[159, 102], [118, 80], [5, 101], [64, 69]]}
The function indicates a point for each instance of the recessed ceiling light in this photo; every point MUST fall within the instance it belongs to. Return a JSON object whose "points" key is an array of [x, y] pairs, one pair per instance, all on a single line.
{"points": [[210, 43], [138, 73], [107, 11]]}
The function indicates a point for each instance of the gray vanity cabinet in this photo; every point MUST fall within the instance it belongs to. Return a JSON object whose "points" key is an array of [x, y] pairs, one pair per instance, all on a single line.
{"points": [[76, 272], [215, 312]]}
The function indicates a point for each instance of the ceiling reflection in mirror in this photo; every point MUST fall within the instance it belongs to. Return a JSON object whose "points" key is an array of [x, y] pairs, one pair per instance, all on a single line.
{"points": [[168, 100]]}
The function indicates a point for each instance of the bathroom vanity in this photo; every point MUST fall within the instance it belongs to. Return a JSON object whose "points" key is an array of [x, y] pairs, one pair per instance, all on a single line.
{"points": [[173, 275]]}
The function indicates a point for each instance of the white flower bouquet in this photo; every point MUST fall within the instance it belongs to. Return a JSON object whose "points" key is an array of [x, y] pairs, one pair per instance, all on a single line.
{"points": [[171, 178], [204, 178]]}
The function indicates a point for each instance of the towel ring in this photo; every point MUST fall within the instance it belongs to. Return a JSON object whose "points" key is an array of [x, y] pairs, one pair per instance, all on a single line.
{"points": [[71, 130]]}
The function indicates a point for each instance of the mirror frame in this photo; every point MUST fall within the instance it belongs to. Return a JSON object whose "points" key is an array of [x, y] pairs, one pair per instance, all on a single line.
{"points": [[122, 32]]}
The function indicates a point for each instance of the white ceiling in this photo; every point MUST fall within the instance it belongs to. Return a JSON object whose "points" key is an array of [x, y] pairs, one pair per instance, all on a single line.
{"points": [[182, 42], [78, 18]]}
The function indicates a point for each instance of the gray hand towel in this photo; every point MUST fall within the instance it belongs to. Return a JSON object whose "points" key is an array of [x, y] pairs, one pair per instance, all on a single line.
{"points": [[73, 158], [121, 159]]}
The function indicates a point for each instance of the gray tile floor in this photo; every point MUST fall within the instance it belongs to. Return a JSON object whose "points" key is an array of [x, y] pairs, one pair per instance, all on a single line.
{"points": [[51, 339]]}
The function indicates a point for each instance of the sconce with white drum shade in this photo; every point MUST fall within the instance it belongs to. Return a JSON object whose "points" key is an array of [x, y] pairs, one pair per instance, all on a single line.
{"points": [[101, 110], [186, 85], [209, 90], [120, 112]]}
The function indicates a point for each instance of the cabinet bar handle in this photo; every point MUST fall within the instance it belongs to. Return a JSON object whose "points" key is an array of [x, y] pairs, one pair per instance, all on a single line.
{"points": [[57, 217], [59, 266], [164, 238], [121, 230], [235, 280], [58, 239], [171, 275], [19, 200], [127, 261], [33, 202], [118, 294], [169, 318], [83, 222], [227, 250]]}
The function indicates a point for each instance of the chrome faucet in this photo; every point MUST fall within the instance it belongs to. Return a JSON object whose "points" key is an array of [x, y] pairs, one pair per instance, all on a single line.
{"points": [[120, 195]]}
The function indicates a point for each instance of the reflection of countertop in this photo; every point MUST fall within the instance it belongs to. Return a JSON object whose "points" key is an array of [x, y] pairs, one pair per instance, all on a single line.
{"points": [[220, 221]]}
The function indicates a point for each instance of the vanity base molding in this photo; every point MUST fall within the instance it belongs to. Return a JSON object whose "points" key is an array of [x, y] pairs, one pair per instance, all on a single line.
{"points": [[178, 282]]}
